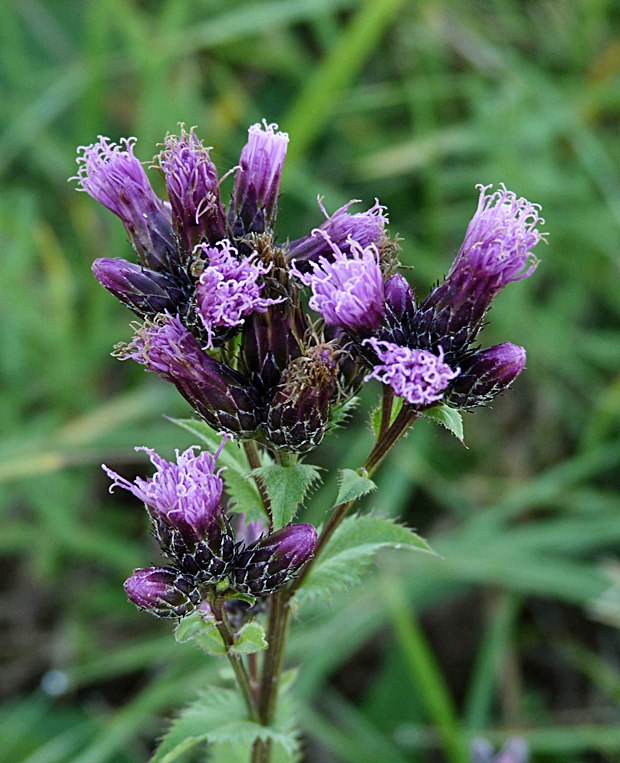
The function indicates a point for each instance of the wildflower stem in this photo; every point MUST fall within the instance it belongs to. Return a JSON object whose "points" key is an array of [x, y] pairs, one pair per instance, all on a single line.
{"points": [[254, 460], [386, 409], [236, 662]]}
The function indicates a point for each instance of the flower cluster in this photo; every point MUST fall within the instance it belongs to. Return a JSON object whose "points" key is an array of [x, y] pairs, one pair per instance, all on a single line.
{"points": [[184, 503], [221, 306]]}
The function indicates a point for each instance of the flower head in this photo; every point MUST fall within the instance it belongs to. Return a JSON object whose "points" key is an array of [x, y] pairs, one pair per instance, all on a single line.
{"points": [[342, 227], [418, 376], [146, 292], [257, 182], [162, 591], [112, 175], [185, 493], [500, 238], [268, 564], [228, 289], [486, 374], [193, 190], [347, 291], [222, 396]]}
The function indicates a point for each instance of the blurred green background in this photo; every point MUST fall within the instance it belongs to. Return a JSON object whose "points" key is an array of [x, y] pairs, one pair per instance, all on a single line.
{"points": [[412, 102]]}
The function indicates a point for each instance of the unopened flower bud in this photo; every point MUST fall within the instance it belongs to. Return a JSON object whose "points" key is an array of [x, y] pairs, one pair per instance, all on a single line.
{"points": [[486, 374], [222, 396], [264, 567], [399, 310], [184, 503], [341, 228], [113, 176], [257, 182], [300, 411], [418, 376], [146, 292], [496, 251], [347, 290], [162, 591], [193, 189]]}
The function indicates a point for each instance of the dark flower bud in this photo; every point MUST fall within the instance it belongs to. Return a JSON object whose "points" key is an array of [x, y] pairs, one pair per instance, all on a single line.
{"points": [[116, 179], [193, 189], [496, 252], [341, 228], [184, 503], [264, 567], [162, 591], [486, 374], [300, 411], [146, 292], [257, 182], [223, 397], [399, 310]]}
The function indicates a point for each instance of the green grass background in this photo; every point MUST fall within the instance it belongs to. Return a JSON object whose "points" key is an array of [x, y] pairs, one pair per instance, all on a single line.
{"points": [[410, 102]]}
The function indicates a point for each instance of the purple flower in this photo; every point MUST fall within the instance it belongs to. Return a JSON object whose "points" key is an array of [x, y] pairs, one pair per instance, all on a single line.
{"points": [[222, 396], [185, 494], [347, 291], [193, 190], [363, 227], [228, 289], [268, 564], [514, 751], [249, 532], [496, 251], [485, 374], [162, 591], [418, 376], [257, 182], [113, 176], [142, 290]]}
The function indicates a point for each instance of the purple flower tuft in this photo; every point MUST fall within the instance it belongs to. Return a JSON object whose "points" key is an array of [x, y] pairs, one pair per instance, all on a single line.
{"points": [[347, 291], [162, 591], [257, 182], [249, 532], [184, 494], [113, 176], [500, 238], [364, 227], [193, 190], [228, 289], [222, 396], [418, 376]]}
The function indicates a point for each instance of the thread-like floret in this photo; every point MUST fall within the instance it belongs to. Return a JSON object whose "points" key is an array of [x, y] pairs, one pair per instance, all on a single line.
{"points": [[347, 291], [228, 289], [418, 376], [187, 492]]}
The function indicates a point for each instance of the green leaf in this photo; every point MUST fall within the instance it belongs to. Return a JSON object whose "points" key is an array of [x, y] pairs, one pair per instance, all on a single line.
{"points": [[210, 641], [250, 639], [243, 493], [342, 412], [449, 417], [351, 550], [191, 626], [220, 717], [287, 487], [352, 485]]}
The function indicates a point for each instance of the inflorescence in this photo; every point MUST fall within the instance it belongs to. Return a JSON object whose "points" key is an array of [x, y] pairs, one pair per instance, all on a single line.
{"points": [[222, 318]]}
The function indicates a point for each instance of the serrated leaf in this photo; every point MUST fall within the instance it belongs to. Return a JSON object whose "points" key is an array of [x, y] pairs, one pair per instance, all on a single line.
{"points": [[191, 626], [243, 492], [375, 416], [220, 717], [353, 485], [211, 641], [342, 412], [287, 486], [250, 639], [450, 418], [350, 551]]}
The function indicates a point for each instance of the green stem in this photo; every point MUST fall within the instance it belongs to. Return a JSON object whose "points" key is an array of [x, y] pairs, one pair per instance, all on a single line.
{"points": [[386, 409], [254, 460], [236, 662]]}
